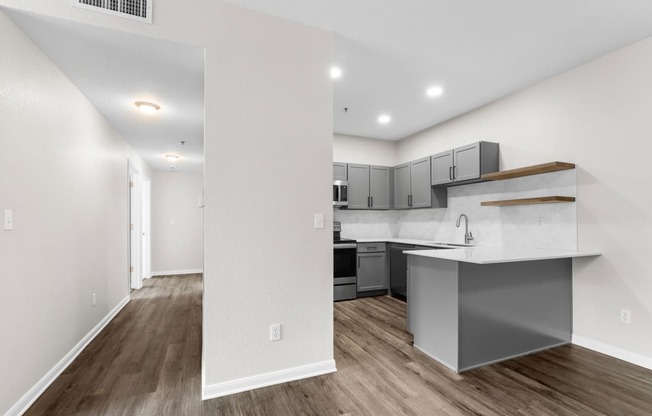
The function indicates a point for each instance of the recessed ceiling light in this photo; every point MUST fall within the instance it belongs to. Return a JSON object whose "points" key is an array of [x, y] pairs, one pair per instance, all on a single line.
{"points": [[384, 119], [336, 72], [434, 91], [147, 107], [172, 158]]}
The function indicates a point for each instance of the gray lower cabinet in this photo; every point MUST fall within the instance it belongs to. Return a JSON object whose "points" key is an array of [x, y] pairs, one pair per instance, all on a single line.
{"points": [[464, 164], [372, 267], [369, 187], [339, 171]]}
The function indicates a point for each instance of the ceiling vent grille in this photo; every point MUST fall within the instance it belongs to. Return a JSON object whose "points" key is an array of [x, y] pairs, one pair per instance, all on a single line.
{"points": [[140, 10]]}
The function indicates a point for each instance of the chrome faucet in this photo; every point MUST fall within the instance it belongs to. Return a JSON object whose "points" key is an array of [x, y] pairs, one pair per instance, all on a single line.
{"points": [[468, 236]]}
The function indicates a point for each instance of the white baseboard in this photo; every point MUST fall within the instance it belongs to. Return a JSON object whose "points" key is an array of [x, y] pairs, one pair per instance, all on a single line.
{"points": [[630, 357], [30, 397], [263, 380], [171, 272]]}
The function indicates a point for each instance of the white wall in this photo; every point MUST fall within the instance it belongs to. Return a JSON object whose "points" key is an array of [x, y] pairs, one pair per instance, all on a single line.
{"points": [[63, 172], [363, 150], [268, 117], [177, 222], [597, 116]]}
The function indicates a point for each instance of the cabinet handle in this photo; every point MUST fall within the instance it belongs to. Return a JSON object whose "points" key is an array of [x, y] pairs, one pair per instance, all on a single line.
{"points": [[368, 202], [371, 205], [450, 173], [358, 262], [454, 173], [409, 200]]}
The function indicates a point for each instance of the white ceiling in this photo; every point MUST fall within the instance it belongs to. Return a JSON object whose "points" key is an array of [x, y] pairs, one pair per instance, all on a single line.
{"points": [[389, 51], [115, 69], [478, 50]]}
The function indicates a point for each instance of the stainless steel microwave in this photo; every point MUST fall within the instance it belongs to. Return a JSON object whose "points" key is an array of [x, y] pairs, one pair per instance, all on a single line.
{"points": [[340, 193]]}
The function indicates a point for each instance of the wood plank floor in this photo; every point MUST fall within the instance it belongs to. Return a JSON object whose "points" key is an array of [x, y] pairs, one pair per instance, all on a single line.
{"points": [[147, 362]]}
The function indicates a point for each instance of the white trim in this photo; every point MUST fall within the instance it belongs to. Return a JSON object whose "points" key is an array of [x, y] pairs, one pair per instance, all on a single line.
{"points": [[30, 397], [263, 380], [601, 347], [171, 272]]}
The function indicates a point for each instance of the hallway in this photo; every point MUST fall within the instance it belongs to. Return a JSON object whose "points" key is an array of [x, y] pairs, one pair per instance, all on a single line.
{"points": [[147, 361]]}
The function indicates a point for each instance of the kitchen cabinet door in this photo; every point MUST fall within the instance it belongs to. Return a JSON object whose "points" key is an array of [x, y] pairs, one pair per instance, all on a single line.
{"points": [[358, 186], [402, 186], [442, 168], [421, 189], [339, 171], [379, 187], [372, 271], [466, 162]]}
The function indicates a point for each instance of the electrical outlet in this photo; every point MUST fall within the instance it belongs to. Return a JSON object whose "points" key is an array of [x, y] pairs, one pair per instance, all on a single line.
{"points": [[625, 316], [94, 299], [275, 332]]}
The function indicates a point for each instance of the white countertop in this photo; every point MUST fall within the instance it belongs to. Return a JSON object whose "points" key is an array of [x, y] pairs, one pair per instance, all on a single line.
{"points": [[482, 254], [489, 255], [400, 241]]}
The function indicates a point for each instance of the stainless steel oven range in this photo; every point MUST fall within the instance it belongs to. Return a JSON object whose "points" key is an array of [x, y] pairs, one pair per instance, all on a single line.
{"points": [[344, 265]]}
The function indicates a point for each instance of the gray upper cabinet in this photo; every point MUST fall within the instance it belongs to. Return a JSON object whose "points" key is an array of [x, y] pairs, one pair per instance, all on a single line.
{"points": [[442, 168], [358, 186], [467, 162], [420, 183], [464, 164], [339, 171], [412, 187], [379, 187], [402, 186], [369, 187]]}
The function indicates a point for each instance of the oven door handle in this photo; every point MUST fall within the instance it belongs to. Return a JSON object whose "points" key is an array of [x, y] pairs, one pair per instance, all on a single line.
{"points": [[340, 246]]}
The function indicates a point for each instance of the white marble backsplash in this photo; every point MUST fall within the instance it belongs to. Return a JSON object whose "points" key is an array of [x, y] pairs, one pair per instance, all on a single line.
{"points": [[532, 226]]}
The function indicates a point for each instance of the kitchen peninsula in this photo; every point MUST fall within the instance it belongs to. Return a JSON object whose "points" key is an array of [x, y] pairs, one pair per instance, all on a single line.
{"points": [[470, 307]]}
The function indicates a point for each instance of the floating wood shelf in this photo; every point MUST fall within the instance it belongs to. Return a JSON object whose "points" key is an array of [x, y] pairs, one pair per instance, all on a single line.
{"points": [[527, 171], [529, 201]]}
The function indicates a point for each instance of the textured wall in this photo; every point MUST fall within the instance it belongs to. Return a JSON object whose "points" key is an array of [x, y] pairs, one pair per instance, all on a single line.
{"points": [[63, 171]]}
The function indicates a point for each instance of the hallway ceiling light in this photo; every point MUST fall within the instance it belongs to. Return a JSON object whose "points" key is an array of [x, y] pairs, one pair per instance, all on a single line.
{"points": [[336, 72], [172, 158], [147, 107], [434, 91]]}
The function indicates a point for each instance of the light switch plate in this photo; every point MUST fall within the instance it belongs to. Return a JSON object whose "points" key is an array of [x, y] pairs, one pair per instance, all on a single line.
{"points": [[319, 220], [9, 220]]}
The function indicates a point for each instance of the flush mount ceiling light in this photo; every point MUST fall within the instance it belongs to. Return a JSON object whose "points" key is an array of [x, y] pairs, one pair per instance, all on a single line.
{"points": [[147, 107], [336, 72], [384, 119], [434, 91], [172, 158]]}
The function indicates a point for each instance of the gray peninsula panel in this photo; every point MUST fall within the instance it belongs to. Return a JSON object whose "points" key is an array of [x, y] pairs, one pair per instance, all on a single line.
{"points": [[466, 315]]}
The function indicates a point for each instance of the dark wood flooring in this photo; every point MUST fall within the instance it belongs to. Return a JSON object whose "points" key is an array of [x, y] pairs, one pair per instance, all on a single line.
{"points": [[147, 362]]}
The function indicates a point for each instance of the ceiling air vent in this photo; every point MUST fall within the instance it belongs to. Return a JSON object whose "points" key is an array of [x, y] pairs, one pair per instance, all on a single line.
{"points": [[140, 10]]}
